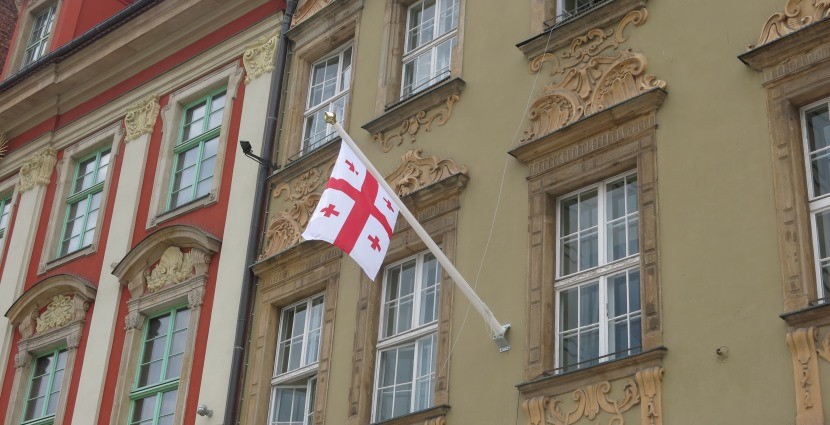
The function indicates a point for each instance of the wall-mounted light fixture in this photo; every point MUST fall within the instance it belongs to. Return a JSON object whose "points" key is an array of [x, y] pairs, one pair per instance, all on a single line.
{"points": [[249, 152]]}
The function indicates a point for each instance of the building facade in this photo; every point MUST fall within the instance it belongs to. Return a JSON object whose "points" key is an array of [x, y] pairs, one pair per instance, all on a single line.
{"points": [[639, 188]]}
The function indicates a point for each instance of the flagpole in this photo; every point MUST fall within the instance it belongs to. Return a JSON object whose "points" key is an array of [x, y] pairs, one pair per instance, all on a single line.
{"points": [[497, 330]]}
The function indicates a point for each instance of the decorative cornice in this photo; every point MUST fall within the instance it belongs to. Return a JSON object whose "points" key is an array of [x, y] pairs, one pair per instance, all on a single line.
{"points": [[59, 312], [259, 56], [591, 75], [797, 14], [416, 172], [37, 169], [409, 128], [307, 9], [300, 195], [141, 117]]}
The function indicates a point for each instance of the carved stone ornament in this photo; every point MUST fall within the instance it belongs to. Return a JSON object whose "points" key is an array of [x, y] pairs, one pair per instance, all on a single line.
{"points": [[797, 14], [590, 75], [307, 9], [58, 313], [416, 172], [441, 420], [302, 195], [73, 340], [259, 56], [175, 267], [134, 321], [196, 297], [4, 145], [802, 343], [37, 169], [22, 360], [410, 127], [141, 118]]}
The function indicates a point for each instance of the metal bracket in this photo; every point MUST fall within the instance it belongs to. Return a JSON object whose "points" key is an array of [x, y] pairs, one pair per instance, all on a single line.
{"points": [[501, 340]]}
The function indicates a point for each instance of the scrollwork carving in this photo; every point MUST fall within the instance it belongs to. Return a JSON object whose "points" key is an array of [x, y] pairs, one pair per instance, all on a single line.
{"points": [[175, 267], [259, 56], [440, 420], [410, 127], [651, 382], [302, 194], [59, 312], [802, 343], [73, 340], [591, 75], [196, 297], [37, 169], [141, 118], [592, 400], [308, 9], [22, 360], [134, 321], [416, 171], [797, 14]]}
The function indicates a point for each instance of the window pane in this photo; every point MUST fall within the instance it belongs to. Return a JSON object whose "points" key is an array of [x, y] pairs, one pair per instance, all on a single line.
{"points": [[615, 199], [570, 257], [634, 290], [633, 235], [388, 363], [443, 57], [569, 351], [143, 410], [406, 362], [823, 233], [85, 176], [589, 347], [569, 309], [346, 72], [569, 216], [588, 251], [589, 304], [448, 17], [818, 140], [617, 243], [588, 209], [617, 295], [631, 194]]}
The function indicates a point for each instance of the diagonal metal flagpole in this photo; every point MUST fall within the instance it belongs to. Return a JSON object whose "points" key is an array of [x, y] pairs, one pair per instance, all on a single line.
{"points": [[497, 330]]}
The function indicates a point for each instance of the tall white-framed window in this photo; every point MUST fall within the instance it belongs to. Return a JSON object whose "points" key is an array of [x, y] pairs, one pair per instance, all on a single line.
{"points": [[567, 9], [5, 214], [408, 343], [328, 90], [431, 36], [598, 276], [38, 41], [84, 201], [815, 122], [294, 383]]}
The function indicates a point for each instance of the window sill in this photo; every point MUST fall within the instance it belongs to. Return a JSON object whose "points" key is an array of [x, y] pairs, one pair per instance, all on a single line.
{"points": [[610, 370], [422, 109], [83, 252], [560, 35], [814, 315], [195, 204], [419, 417]]}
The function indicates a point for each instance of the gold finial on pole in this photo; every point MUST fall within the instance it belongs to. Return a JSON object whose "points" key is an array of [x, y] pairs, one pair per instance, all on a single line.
{"points": [[330, 118]]}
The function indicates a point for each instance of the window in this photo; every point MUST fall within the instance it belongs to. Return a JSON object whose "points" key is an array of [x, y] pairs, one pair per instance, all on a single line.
{"points": [[84, 202], [431, 36], [816, 130], [5, 212], [567, 9], [45, 388], [160, 365], [407, 346], [598, 285], [39, 37], [195, 153], [328, 91], [298, 349]]}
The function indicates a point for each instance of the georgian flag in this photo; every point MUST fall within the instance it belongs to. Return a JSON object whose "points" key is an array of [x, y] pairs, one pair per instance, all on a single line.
{"points": [[354, 213]]}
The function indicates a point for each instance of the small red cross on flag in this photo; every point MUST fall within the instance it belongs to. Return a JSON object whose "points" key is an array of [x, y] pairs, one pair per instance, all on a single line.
{"points": [[354, 213]]}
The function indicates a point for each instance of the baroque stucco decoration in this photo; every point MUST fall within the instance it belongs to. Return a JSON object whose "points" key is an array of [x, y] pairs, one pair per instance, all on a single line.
{"points": [[37, 169], [302, 195], [307, 9], [141, 118], [409, 127], [175, 267], [58, 313], [802, 344], [589, 402], [416, 172], [259, 56], [592, 74], [797, 14]]}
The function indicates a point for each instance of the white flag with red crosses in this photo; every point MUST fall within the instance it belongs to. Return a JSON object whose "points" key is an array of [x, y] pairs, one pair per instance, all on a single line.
{"points": [[354, 213]]}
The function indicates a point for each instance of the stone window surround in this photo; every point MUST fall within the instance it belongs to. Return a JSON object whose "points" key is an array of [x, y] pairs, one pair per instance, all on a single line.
{"points": [[315, 38], [436, 208], [113, 136], [229, 76], [9, 187], [25, 313], [302, 271], [18, 51], [134, 272], [621, 139]]}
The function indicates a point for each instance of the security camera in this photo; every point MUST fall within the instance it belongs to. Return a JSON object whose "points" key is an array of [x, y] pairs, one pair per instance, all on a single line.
{"points": [[202, 410]]}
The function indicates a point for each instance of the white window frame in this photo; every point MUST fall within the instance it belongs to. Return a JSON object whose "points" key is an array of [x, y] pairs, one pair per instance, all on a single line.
{"points": [[431, 46], [326, 104], [306, 374], [560, 9], [599, 273], [8, 189], [817, 204], [51, 11], [412, 336]]}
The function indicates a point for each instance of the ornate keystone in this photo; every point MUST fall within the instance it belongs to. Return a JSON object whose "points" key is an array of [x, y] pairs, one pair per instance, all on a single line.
{"points": [[37, 169], [259, 56], [59, 312], [174, 267], [416, 171], [141, 118]]}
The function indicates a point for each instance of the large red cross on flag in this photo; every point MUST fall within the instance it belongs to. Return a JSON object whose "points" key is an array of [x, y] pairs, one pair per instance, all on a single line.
{"points": [[354, 213]]}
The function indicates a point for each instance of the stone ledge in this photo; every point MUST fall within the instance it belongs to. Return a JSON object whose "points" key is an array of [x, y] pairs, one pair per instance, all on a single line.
{"points": [[561, 35], [418, 417], [814, 315], [423, 101], [785, 48]]}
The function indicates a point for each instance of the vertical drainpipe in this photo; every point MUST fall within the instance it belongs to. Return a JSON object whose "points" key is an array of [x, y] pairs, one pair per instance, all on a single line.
{"points": [[269, 141]]}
